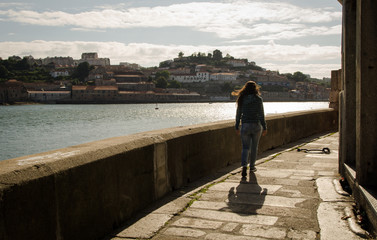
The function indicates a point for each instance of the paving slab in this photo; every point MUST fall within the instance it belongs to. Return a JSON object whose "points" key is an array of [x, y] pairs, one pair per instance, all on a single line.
{"points": [[252, 199], [229, 227], [145, 227], [197, 223], [321, 157], [275, 201], [302, 178], [333, 227], [230, 216], [245, 188], [273, 173], [222, 236], [263, 231], [183, 232], [254, 209], [305, 234], [327, 191], [173, 206]]}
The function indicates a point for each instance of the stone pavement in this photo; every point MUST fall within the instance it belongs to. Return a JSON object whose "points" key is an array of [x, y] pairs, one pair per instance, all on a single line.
{"points": [[292, 195]]}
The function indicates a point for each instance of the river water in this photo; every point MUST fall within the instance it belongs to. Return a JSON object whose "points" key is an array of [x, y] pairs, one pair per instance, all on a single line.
{"points": [[29, 129]]}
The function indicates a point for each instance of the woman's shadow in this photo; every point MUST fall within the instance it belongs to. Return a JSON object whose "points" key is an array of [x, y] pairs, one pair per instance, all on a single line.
{"points": [[247, 197]]}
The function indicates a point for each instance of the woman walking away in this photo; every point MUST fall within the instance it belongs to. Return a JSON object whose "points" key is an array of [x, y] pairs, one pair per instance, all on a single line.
{"points": [[251, 113]]}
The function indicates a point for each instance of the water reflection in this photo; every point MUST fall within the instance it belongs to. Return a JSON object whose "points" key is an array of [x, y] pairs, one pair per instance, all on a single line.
{"points": [[32, 129]]}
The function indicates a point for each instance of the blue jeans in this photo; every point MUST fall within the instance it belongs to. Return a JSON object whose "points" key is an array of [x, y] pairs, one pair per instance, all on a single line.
{"points": [[250, 135]]}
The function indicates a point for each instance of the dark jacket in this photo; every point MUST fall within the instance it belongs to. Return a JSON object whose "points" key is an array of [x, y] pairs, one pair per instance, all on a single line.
{"points": [[251, 111]]}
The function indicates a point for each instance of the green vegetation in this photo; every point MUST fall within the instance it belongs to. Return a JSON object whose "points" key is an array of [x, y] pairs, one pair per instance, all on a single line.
{"points": [[301, 77], [162, 80], [321, 82], [297, 77], [82, 71], [17, 68], [215, 59]]}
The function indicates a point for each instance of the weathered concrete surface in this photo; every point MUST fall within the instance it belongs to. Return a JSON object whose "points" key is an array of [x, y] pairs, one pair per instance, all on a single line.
{"points": [[86, 191], [291, 196]]}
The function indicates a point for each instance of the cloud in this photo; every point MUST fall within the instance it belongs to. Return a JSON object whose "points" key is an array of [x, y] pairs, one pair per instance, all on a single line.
{"points": [[87, 30], [290, 31], [9, 4], [285, 58], [231, 19]]}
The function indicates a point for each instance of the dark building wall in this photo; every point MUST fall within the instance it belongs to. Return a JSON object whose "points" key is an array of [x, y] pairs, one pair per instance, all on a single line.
{"points": [[13, 91], [358, 111]]}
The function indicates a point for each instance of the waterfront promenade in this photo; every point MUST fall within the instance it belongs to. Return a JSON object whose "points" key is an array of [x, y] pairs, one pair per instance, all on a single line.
{"points": [[292, 195]]}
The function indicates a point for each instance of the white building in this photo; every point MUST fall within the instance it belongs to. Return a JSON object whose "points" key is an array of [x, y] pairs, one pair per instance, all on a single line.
{"points": [[177, 71], [203, 76], [57, 73], [224, 77], [60, 61], [134, 66], [93, 59], [189, 78], [199, 67], [237, 62]]}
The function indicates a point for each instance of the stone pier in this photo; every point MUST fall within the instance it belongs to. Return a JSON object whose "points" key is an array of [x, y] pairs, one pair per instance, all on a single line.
{"points": [[87, 191]]}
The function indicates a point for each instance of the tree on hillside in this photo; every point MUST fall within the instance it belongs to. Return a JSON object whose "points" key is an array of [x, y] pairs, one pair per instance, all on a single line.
{"points": [[228, 56], [288, 75], [161, 82], [22, 65], [300, 77], [164, 64], [82, 71], [201, 54], [165, 74], [161, 79], [217, 55], [174, 84], [180, 54], [297, 77], [20, 69], [16, 63], [3, 72]]}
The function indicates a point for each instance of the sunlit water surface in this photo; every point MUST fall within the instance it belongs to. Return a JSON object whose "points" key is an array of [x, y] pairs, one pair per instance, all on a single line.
{"points": [[29, 129]]}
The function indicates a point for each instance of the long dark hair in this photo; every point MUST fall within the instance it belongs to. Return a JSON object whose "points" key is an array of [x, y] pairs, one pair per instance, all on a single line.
{"points": [[249, 88]]}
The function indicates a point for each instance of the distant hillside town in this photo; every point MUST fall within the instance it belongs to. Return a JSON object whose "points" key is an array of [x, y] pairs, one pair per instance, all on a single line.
{"points": [[199, 77]]}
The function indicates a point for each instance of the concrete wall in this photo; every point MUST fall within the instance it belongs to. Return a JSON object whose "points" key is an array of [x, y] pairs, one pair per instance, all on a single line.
{"points": [[86, 191]]}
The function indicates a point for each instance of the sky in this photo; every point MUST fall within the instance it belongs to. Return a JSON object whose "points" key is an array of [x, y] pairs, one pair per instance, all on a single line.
{"points": [[285, 36]]}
